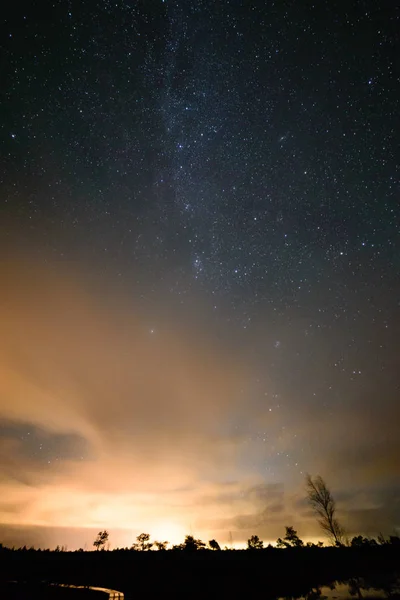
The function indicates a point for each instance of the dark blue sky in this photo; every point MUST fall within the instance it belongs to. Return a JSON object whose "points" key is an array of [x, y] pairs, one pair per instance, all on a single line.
{"points": [[229, 168]]}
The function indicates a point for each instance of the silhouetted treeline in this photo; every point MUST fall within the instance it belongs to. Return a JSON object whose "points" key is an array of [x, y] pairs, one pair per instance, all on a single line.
{"points": [[193, 569], [292, 571]]}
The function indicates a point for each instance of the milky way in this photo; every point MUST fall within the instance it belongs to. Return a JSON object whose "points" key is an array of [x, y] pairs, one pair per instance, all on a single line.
{"points": [[230, 168]]}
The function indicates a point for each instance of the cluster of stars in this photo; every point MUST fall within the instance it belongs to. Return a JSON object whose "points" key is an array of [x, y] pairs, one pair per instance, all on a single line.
{"points": [[243, 155]]}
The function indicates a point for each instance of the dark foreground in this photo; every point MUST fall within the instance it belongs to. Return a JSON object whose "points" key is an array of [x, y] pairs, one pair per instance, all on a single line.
{"points": [[33, 591], [270, 573]]}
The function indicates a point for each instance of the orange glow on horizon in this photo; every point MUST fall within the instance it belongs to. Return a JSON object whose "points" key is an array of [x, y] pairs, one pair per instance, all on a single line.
{"points": [[138, 425]]}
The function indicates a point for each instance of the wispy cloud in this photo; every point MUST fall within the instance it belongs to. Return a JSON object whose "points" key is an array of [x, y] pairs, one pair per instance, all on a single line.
{"points": [[137, 424]]}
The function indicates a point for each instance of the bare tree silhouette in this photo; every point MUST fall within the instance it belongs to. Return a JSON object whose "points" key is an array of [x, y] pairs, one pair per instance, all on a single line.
{"points": [[323, 504]]}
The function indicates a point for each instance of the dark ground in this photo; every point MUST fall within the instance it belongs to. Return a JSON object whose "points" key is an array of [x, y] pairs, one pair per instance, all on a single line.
{"points": [[227, 574], [31, 591]]}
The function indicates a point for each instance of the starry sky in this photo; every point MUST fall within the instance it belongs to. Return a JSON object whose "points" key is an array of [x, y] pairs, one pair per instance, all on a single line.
{"points": [[199, 218]]}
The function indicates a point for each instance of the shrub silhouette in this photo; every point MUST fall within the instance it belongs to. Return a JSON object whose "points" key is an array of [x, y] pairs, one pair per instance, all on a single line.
{"points": [[254, 543], [101, 539], [190, 544], [214, 545], [161, 545], [291, 539]]}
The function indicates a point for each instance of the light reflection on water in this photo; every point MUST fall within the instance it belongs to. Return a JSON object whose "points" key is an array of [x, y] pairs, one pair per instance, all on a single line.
{"points": [[353, 589], [112, 594]]}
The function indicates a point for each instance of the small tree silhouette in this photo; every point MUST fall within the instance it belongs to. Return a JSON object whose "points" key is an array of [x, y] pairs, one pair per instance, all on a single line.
{"points": [[161, 545], [254, 543], [291, 539], [394, 540], [143, 542], [190, 544], [362, 542], [101, 539], [214, 545]]}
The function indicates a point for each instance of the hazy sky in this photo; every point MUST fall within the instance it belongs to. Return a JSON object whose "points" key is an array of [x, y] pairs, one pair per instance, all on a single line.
{"points": [[199, 277]]}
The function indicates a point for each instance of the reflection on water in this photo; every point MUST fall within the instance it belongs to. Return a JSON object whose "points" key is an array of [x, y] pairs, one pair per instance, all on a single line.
{"points": [[352, 589], [112, 594], [23, 590]]}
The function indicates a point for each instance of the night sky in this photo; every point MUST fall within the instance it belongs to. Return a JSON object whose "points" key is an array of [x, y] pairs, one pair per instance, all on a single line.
{"points": [[199, 277]]}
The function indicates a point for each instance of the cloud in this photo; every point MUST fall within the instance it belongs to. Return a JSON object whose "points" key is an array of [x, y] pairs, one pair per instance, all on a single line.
{"points": [[150, 405], [160, 427]]}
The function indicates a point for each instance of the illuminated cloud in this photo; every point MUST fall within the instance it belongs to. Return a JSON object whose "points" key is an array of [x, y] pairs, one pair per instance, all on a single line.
{"points": [[151, 408], [106, 423]]}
